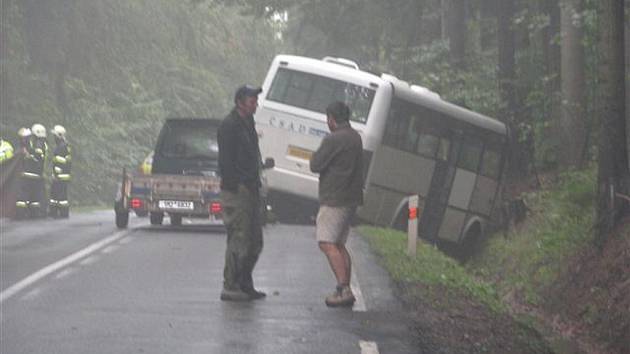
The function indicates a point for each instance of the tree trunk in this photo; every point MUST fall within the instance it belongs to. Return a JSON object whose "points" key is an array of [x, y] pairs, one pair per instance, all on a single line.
{"points": [[507, 90], [613, 174], [454, 29], [473, 34], [571, 126], [627, 52], [551, 54], [5, 100]]}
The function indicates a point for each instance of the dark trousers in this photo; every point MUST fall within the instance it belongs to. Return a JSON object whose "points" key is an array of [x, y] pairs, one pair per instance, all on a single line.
{"points": [[241, 214], [59, 203], [30, 200]]}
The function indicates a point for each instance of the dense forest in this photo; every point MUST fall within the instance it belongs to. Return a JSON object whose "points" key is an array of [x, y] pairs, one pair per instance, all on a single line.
{"points": [[112, 70]]}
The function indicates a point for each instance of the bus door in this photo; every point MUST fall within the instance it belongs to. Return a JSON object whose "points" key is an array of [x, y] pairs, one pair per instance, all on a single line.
{"points": [[437, 197]]}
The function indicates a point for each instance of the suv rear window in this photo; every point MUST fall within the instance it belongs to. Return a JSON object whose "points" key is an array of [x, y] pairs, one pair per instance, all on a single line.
{"points": [[189, 141]]}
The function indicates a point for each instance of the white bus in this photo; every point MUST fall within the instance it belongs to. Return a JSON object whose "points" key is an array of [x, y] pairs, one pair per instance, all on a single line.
{"points": [[291, 119], [414, 144]]}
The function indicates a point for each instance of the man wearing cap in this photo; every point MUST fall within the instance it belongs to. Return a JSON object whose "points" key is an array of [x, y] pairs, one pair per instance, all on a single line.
{"points": [[239, 166]]}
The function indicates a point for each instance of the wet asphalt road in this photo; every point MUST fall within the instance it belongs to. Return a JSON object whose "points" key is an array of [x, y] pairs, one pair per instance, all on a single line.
{"points": [[82, 286]]}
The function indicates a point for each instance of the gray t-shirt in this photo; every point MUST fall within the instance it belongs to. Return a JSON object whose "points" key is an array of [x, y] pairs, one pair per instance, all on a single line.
{"points": [[339, 162]]}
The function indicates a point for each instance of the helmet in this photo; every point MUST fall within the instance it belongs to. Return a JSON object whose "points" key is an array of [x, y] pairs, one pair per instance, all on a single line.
{"points": [[58, 131], [24, 132], [38, 130]]}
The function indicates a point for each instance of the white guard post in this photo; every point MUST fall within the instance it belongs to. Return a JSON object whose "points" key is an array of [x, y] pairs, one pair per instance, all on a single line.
{"points": [[412, 226]]}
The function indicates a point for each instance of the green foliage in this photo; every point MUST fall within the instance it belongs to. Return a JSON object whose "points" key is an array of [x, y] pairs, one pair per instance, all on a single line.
{"points": [[111, 71], [531, 258], [429, 267], [474, 89]]}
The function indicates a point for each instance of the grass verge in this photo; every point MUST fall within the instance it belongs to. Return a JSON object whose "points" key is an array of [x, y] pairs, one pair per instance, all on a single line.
{"points": [[429, 267], [511, 271], [532, 255]]}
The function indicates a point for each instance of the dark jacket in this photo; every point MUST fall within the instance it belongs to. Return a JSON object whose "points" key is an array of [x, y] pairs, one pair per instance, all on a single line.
{"points": [[36, 151], [62, 161], [339, 162], [239, 155]]}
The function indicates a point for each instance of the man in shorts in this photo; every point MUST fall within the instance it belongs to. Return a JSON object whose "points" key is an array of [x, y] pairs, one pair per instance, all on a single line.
{"points": [[339, 162]]}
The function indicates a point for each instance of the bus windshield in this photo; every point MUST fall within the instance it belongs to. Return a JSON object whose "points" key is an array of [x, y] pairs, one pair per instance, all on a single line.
{"points": [[315, 93]]}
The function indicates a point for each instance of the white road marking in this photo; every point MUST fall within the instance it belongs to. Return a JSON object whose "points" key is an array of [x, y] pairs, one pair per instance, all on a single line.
{"points": [[31, 279], [368, 347], [64, 273], [359, 304], [110, 249], [89, 260]]}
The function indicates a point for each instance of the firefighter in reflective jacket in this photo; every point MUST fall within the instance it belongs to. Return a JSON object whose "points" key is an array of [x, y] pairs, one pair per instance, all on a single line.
{"points": [[32, 189], [6, 151], [22, 203], [24, 135], [59, 205]]}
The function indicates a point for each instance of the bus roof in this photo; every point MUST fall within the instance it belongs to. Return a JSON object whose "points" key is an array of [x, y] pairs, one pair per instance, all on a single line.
{"points": [[432, 101], [402, 89], [334, 68]]}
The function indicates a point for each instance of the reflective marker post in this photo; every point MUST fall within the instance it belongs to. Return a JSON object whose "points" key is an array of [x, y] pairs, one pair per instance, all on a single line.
{"points": [[412, 226]]}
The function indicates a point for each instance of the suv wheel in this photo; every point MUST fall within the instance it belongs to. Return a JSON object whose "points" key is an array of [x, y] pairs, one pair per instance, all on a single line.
{"points": [[156, 218]]}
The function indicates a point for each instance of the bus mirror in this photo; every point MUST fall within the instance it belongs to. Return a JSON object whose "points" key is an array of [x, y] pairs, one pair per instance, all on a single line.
{"points": [[269, 163]]}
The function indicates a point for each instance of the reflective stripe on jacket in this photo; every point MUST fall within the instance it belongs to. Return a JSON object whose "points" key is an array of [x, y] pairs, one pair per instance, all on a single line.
{"points": [[62, 161], [6, 151]]}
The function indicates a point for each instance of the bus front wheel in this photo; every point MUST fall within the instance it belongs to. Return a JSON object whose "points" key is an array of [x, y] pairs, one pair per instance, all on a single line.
{"points": [[471, 244]]}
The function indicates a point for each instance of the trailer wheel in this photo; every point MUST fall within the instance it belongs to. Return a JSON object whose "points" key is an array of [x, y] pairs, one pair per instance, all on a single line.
{"points": [[156, 218], [122, 219]]}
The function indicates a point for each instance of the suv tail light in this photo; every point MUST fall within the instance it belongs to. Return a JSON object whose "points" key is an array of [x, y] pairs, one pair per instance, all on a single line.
{"points": [[136, 203], [216, 208]]}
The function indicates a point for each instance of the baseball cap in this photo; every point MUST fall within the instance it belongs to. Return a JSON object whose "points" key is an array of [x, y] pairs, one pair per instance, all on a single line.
{"points": [[246, 91]]}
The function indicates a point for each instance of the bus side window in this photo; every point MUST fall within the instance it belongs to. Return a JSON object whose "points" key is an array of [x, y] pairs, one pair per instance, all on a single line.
{"points": [[397, 126], [428, 140], [443, 149], [491, 163], [411, 135], [470, 155]]}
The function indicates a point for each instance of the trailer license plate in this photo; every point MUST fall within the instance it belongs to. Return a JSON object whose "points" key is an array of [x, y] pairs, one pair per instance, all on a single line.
{"points": [[176, 204]]}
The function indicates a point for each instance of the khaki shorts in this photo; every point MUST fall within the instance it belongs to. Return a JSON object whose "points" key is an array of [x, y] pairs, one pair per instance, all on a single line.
{"points": [[333, 223]]}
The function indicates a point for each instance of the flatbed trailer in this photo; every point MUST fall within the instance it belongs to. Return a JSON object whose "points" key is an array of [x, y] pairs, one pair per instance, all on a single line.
{"points": [[176, 195]]}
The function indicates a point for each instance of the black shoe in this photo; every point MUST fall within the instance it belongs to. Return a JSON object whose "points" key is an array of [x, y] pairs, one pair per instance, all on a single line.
{"points": [[255, 294]]}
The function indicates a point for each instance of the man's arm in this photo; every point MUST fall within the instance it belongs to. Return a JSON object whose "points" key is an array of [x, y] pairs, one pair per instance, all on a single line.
{"points": [[323, 156], [226, 138]]}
